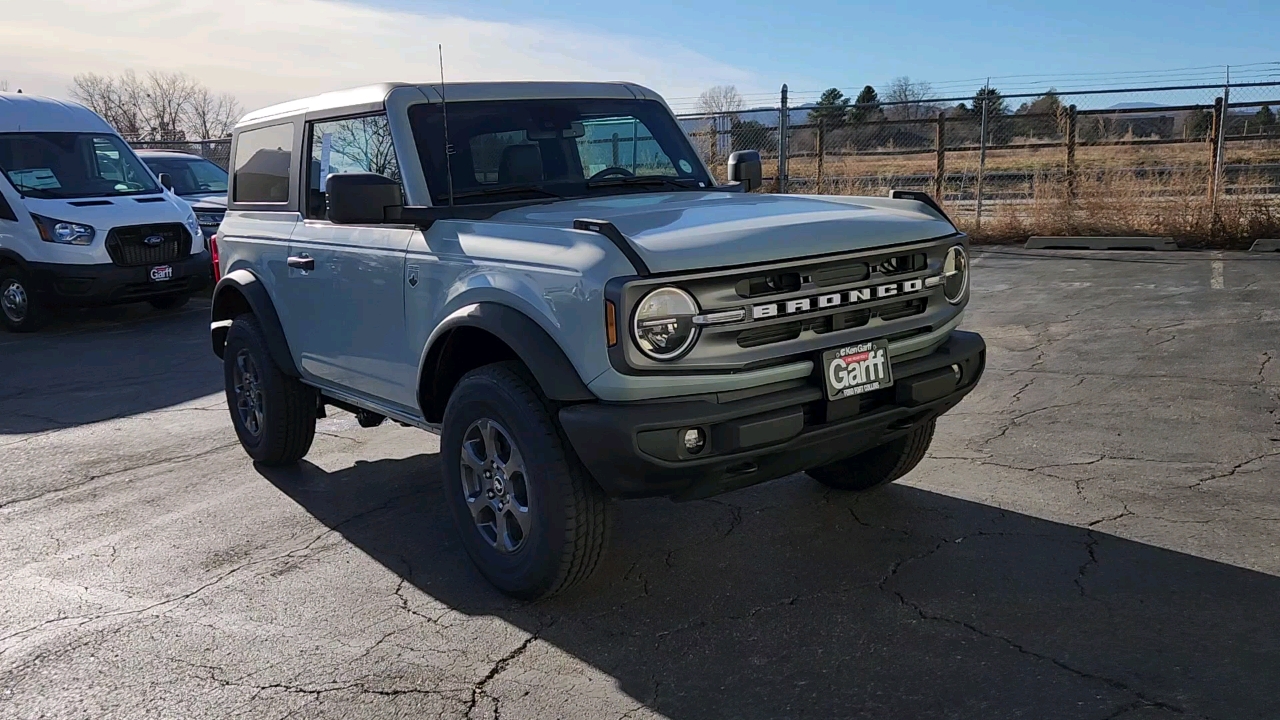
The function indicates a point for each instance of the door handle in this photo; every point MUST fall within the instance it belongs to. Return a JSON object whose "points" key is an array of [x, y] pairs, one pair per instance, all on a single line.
{"points": [[303, 262]]}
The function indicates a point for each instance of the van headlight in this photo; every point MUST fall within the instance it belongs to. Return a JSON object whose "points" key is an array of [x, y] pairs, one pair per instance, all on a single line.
{"points": [[193, 227], [663, 325], [63, 232]]}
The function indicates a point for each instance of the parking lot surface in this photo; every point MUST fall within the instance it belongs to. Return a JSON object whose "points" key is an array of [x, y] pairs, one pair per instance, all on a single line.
{"points": [[1096, 534]]}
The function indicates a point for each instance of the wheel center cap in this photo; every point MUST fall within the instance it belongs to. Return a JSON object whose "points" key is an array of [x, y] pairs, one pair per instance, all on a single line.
{"points": [[499, 487]]}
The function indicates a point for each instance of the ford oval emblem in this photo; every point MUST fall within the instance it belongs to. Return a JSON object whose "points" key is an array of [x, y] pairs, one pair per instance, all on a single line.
{"points": [[152, 240]]}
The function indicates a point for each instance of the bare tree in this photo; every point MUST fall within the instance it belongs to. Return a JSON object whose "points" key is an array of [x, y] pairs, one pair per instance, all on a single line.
{"points": [[212, 116], [720, 99], [161, 106], [905, 99], [166, 102]]}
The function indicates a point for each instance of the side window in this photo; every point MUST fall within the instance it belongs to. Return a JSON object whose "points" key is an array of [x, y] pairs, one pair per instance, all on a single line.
{"points": [[109, 165], [262, 164], [361, 144]]}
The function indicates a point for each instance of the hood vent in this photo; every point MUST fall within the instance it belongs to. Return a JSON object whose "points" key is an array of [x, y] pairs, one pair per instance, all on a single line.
{"points": [[149, 200], [90, 203]]}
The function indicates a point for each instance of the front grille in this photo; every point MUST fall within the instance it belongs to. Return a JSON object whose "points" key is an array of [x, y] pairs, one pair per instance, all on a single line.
{"points": [[127, 247], [770, 334]]}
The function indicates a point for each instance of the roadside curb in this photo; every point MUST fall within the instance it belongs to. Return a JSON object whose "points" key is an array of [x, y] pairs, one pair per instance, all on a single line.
{"points": [[1266, 245], [1101, 243]]}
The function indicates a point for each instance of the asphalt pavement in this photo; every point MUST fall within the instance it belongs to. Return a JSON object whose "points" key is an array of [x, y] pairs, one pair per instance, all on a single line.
{"points": [[1096, 534]]}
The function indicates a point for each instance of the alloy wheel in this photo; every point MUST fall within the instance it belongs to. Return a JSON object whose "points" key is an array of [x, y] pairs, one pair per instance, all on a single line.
{"points": [[495, 485], [247, 381]]}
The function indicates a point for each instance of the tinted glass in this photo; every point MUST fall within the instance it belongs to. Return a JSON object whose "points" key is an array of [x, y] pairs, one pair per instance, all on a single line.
{"points": [[191, 176], [360, 144], [72, 165], [557, 145], [263, 157]]}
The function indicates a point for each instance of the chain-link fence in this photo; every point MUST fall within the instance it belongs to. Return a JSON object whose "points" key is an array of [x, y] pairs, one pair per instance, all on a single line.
{"points": [[216, 151], [1195, 162]]}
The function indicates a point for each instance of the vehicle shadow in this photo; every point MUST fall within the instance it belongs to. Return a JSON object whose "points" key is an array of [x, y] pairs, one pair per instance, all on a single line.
{"points": [[787, 601], [93, 365]]}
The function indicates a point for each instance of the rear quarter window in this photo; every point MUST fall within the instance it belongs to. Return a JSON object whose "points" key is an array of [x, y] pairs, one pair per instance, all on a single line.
{"points": [[262, 165]]}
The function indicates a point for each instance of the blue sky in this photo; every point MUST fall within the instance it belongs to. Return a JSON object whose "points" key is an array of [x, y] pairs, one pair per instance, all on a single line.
{"points": [[267, 51], [816, 44]]}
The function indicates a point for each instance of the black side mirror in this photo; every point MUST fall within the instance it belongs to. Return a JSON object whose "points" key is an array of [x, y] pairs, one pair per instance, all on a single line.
{"points": [[361, 198], [745, 168], [166, 181]]}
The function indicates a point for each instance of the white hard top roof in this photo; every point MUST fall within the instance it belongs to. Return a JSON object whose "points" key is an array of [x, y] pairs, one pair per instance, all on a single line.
{"points": [[368, 95], [32, 113]]}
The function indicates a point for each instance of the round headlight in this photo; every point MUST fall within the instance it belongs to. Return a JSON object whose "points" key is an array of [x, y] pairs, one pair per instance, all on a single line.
{"points": [[663, 326], [955, 274]]}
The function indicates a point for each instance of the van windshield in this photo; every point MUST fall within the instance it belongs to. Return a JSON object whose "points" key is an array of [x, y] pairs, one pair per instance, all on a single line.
{"points": [[72, 165], [513, 150]]}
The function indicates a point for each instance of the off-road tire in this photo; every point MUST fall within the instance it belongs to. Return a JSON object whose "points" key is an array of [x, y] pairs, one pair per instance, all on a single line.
{"points": [[35, 313], [169, 302], [880, 465], [569, 513], [288, 407]]}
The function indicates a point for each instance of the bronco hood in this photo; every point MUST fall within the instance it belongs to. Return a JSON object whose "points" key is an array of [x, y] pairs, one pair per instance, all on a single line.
{"points": [[697, 230]]}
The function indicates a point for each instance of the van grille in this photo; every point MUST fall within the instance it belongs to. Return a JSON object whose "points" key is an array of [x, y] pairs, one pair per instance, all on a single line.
{"points": [[127, 245]]}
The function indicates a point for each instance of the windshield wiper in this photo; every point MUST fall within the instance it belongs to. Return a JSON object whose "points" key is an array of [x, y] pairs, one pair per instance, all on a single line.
{"points": [[504, 190], [681, 183]]}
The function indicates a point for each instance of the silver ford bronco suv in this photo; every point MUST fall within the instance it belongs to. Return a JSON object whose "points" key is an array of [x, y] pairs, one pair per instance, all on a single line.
{"points": [[548, 276]]}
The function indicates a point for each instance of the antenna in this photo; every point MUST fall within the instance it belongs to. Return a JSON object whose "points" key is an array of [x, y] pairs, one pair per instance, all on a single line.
{"points": [[448, 149]]}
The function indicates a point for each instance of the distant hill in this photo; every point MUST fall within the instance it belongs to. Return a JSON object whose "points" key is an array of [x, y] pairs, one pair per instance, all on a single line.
{"points": [[1135, 106]]}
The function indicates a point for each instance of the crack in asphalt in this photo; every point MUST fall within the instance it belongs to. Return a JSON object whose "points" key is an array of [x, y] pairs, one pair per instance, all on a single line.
{"points": [[1237, 468], [81, 483], [1140, 695], [478, 689]]}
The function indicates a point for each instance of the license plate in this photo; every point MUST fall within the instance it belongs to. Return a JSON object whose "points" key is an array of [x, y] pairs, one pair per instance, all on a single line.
{"points": [[856, 369], [160, 273]]}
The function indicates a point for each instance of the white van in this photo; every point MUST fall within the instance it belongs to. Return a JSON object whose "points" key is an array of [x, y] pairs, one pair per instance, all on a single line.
{"points": [[82, 219]]}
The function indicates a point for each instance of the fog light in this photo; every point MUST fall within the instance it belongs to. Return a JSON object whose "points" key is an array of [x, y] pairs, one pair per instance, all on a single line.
{"points": [[694, 440]]}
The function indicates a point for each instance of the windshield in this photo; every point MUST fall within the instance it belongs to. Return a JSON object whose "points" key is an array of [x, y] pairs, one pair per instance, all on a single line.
{"points": [[509, 150], [72, 165], [190, 175]]}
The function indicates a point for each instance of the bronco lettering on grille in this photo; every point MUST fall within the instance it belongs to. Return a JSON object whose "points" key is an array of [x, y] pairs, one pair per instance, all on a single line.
{"points": [[838, 299]]}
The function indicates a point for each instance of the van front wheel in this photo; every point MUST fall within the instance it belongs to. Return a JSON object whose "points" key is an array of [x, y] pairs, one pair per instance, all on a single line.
{"points": [[20, 309]]}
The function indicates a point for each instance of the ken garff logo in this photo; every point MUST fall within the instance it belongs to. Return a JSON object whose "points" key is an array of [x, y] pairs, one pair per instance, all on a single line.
{"points": [[152, 240], [413, 275]]}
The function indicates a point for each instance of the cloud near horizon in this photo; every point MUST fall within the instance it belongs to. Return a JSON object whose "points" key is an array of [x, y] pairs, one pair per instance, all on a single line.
{"points": [[269, 51]]}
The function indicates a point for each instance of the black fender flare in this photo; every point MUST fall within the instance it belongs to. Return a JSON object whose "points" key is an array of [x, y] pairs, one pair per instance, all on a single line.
{"points": [[548, 364], [236, 290]]}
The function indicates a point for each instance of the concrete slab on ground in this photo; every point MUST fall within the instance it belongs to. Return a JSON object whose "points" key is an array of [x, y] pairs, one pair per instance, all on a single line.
{"points": [[1100, 243]]}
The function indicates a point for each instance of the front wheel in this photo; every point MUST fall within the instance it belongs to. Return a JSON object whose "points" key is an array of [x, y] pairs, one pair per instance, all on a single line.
{"points": [[20, 310], [274, 414], [880, 465], [529, 516]]}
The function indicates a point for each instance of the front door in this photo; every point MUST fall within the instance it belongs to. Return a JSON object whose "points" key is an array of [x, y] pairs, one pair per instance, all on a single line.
{"points": [[347, 297], [347, 283]]}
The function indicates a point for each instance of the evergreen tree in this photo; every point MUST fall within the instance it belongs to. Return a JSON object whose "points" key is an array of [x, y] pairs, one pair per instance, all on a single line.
{"points": [[866, 106], [1265, 117], [992, 99], [830, 109]]}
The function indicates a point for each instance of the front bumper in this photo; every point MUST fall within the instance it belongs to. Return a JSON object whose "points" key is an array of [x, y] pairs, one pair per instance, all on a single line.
{"points": [[108, 284], [635, 450]]}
